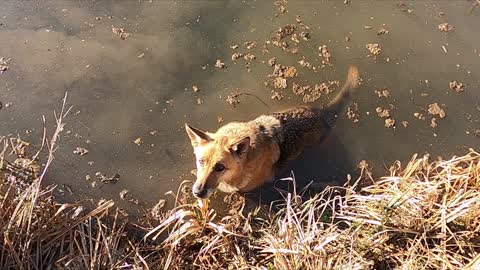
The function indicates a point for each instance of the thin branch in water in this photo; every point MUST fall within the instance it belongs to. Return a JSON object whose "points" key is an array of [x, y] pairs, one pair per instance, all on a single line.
{"points": [[44, 138], [52, 145], [255, 96]]}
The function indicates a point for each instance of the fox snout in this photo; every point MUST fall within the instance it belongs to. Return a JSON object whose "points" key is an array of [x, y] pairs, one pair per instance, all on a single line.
{"points": [[201, 191]]}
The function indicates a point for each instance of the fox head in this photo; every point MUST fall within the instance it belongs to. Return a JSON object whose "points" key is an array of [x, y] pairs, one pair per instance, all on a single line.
{"points": [[220, 161]]}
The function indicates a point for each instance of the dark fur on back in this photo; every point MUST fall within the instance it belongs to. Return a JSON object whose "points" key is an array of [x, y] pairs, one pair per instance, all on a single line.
{"points": [[302, 126]]}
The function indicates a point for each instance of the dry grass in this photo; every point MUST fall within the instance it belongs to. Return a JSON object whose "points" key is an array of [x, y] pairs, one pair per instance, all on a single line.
{"points": [[425, 215], [194, 236], [39, 233], [62, 236]]}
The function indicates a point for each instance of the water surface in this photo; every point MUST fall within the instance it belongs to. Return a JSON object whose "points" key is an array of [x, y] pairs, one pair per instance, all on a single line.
{"points": [[141, 87]]}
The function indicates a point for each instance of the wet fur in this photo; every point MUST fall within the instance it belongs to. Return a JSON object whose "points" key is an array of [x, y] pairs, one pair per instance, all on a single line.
{"points": [[252, 150]]}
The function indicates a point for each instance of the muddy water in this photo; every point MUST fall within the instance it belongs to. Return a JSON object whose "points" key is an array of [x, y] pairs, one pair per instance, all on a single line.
{"points": [[141, 87]]}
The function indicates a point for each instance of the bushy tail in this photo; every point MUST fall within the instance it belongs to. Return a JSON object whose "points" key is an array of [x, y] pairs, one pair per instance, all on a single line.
{"points": [[340, 101]]}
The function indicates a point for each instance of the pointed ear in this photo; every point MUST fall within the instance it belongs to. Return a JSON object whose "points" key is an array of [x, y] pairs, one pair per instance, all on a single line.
{"points": [[197, 136], [240, 149]]}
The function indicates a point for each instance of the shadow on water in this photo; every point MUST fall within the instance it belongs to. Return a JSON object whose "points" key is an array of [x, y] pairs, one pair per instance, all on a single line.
{"points": [[322, 165]]}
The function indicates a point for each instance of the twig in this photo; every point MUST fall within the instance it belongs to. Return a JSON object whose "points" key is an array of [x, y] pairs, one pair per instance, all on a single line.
{"points": [[255, 96], [44, 138], [52, 145], [51, 149]]}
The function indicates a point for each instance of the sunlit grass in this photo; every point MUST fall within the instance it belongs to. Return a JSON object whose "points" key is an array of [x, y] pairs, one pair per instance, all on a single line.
{"points": [[424, 215]]}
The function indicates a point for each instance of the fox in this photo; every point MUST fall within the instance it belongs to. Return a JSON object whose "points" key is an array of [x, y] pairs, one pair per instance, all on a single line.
{"points": [[242, 156]]}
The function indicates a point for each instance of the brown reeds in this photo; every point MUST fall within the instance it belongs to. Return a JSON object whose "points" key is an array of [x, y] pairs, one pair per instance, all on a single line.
{"points": [[204, 239], [39, 233], [425, 215]]}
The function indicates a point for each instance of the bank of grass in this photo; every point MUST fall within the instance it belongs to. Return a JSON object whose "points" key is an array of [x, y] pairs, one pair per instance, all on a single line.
{"points": [[423, 215]]}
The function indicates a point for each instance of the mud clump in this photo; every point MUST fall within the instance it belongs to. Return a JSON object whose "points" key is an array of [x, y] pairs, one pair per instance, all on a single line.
{"points": [[456, 86], [272, 61], [389, 122], [220, 64], [374, 49], [433, 122], [385, 113], [324, 52], [281, 6], [445, 27], [236, 56], [4, 64], [232, 98], [305, 63], [280, 75], [419, 116], [353, 112], [305, 35], [120, 32], [138, 141], [290, 72], [105, 179], [123, 194], [382, 113], [249, 57], [284, 31], [382, 31], [311, 94], [275, 95], [295, 38], [279, 83], [327, 87], [382, 93], [434, 109], [80, 151], [300, 90], [284, 71], [250, 44]]}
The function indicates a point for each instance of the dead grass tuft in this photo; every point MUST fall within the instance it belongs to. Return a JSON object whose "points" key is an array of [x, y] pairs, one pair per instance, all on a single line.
{"points": [[425, 215], [39, 233]]}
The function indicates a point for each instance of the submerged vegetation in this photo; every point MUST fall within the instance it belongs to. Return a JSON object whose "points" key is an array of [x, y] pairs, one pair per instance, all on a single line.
{"points": [[424, 215]]}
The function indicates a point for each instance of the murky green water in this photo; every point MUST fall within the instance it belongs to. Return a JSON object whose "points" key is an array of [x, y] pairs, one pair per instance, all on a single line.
{"points": [[119, 96]]}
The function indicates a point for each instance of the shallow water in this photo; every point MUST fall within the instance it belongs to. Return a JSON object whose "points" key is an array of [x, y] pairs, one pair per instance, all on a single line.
{"points": [[59, 46]]}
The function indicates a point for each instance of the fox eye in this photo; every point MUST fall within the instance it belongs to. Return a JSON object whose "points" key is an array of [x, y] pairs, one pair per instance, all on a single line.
{"points": [[219, 167], [201, 162]]}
